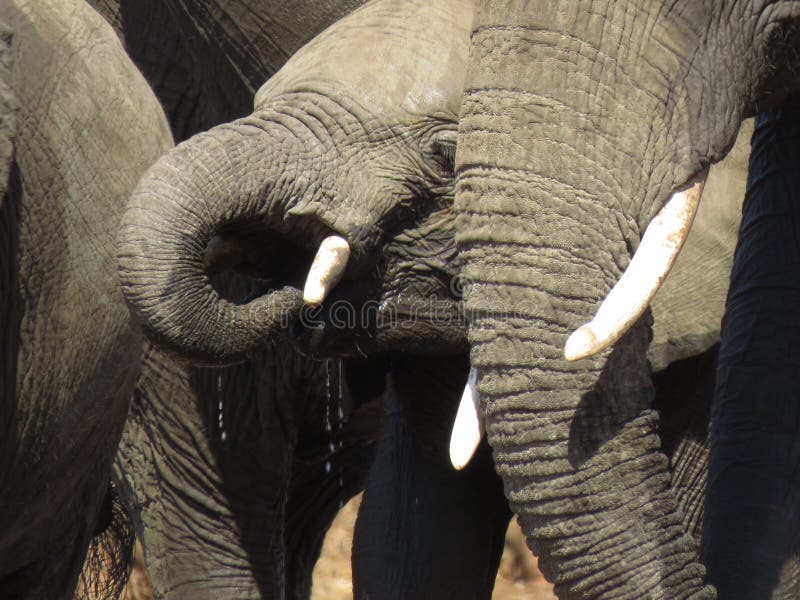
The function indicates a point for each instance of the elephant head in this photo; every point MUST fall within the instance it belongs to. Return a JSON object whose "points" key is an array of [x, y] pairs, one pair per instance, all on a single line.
{"points": [[352, 142], [578, 122]]}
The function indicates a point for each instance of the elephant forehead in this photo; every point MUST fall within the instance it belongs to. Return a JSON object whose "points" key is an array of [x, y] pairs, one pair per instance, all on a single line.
{"points": [[395, 57]]}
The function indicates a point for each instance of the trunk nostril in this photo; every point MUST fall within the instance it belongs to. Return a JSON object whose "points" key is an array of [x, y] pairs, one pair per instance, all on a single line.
{"points": [[268, 260], [222, 252]]}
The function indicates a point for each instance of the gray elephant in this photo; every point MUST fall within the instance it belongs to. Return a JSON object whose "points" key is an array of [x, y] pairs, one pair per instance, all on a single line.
{"points": [[230, 539], [578, 122], [86, 127], [290, 208]]}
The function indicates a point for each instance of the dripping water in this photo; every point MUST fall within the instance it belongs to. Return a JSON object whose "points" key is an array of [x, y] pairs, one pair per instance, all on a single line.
{"points": [[222, 434], [328, 425], [334, 419], [340, 423]]}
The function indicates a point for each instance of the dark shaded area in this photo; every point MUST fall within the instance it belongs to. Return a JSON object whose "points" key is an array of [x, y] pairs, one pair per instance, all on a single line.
{"points": [[110, 556], [622, 392], [10, 309], [425, 530], [752, 521]]}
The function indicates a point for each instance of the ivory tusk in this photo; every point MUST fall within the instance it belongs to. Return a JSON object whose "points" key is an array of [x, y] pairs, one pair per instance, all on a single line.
{"points": [[327, 269], [650, 265], [468, 426]]}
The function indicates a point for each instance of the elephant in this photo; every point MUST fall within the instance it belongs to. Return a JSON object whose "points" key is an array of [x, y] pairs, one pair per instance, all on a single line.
{"points": [[79, 127], [227, 539], [277, 203], [578, 122]]}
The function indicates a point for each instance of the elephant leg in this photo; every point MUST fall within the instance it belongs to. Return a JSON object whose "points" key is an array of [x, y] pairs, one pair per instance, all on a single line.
{"points": [[750, 537], [425, 530], [209, 472]]}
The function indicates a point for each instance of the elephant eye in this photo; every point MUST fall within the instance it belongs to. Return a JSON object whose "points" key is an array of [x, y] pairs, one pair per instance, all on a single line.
{"points": [[443, 148]]}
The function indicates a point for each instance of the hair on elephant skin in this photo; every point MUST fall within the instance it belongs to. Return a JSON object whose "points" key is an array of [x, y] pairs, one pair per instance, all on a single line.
{"points": [[205, 60], [578, 122], [86, 127]]}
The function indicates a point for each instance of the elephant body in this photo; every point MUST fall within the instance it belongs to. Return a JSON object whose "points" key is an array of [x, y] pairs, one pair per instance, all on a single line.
{"points": [[753, 489], [87, 126]]}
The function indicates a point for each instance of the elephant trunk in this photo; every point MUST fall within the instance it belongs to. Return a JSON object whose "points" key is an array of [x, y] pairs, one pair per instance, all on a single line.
{"points": [[576, 443], [227, 176]]}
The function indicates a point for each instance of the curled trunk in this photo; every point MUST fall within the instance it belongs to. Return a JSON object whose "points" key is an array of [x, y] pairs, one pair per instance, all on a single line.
{"points": [[228, 176]]}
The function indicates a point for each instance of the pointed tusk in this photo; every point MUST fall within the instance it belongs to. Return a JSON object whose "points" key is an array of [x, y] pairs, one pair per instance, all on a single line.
{"points": [[468, 426], [648, 268], [327, 269]]}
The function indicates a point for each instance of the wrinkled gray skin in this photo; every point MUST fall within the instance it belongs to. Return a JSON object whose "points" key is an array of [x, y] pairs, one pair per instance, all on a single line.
{"points": [[248, 531], [336, 170], [206, 59], [578, 121], [86, 128], [342, 151], [233, 475]]}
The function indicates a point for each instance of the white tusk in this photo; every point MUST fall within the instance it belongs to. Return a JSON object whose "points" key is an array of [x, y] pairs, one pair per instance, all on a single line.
{"points": [[327, 269], [468, 426], [650, 265]]}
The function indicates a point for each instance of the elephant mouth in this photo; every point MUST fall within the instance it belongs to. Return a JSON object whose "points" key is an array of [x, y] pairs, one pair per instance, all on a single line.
{"points": [[366, 316], [386, 306]]}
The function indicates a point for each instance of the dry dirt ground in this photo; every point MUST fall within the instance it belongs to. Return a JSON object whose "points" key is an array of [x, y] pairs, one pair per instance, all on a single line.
{"points": [[517, 579]]}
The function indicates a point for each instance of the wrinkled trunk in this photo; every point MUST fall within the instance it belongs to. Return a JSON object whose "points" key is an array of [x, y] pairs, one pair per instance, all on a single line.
{"points": [[546, 226], [576, 444], [232, 175]]}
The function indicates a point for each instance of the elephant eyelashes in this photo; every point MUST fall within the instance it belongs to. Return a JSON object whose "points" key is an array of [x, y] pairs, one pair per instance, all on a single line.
{"points": [[444, 152]]}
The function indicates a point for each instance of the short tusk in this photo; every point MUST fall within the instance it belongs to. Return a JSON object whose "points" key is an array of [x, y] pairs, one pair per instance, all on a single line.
{"points": [[650, 265], [468, 426], [327, 269]]}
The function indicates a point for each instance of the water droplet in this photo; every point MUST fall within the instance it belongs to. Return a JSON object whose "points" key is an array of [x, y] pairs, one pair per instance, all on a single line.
{"points": [[222, 435]]}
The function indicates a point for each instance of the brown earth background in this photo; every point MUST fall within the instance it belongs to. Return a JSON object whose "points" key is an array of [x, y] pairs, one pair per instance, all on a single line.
{"points": [[517, 579]]}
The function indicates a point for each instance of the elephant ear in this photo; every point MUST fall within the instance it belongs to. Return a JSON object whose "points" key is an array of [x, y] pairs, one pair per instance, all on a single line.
{"points": [[688, 308], [8, 110]]}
